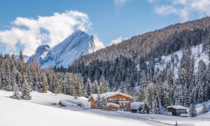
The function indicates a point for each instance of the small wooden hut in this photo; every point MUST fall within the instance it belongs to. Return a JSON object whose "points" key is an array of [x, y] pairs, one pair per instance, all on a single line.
{"points": [[177, 110]]}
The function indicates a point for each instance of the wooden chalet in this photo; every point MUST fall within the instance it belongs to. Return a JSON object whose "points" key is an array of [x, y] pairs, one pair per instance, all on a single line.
{"points": [[177, 110], [114, 100]]}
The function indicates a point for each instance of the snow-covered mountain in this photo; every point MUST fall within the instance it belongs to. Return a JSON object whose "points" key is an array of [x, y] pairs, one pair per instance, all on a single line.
{"points": [[40, 53], [73, 47]]}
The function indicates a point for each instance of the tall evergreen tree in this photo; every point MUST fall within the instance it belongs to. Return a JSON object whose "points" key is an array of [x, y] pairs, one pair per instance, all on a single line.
{"points": [[88, 88], [26, 90], [192, 111]]}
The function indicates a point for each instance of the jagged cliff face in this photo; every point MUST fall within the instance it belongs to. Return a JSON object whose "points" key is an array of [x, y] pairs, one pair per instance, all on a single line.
{"points": [[40, 53], [150, 43], [73, 47]]}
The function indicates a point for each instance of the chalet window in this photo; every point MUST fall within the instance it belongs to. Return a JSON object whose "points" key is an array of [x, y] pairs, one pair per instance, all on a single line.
{"points": [[124, 99], [110, 99], [120, 99]]}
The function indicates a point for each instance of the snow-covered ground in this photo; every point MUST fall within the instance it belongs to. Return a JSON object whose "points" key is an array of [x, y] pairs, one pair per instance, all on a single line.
{"points": [[43, 110]]}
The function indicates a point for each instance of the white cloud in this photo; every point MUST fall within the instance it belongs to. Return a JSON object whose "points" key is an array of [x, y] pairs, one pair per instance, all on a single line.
{"points": [[49, 29], [185, 9], [118, 40]]}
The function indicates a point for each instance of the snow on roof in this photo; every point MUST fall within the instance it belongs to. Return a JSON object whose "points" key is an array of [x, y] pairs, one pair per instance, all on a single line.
{"points": [[136, 105], [108, 94], [113, 104], [177, 107]]}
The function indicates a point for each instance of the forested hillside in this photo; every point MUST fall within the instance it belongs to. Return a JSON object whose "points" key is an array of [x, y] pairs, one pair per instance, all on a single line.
{"points": [[154, 44]]}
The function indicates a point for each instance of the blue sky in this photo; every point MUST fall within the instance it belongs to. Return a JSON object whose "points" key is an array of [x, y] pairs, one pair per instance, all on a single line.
{"points": [[40, 21]]}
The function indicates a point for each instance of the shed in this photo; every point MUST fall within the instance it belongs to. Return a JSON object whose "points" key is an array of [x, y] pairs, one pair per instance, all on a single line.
{"points": [[177, 110], [136, 106]]}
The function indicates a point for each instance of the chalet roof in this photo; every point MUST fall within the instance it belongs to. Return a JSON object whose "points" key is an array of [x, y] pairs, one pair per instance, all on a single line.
{"points": [[136, 105], [108, 94], [177, 107], [113, 104]]}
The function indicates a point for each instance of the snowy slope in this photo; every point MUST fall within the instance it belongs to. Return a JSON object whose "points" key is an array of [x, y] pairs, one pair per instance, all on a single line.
{"points": [[40, 111], [196, 52], [73, 47], [25, 113], [40, 53]]}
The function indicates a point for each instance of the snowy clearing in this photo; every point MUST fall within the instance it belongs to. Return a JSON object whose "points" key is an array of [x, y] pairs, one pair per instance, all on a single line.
{"points": [[42, 111], [23, 113]]}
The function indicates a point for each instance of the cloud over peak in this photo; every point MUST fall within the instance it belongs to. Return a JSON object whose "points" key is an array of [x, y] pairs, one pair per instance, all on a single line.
{"points": [[51, 30]]}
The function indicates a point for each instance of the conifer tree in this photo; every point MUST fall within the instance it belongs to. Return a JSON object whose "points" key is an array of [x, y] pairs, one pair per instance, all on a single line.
{"points": [[205, 108], [78, 86], [143, 80], [26, 90], [192, 111], [16, 94], [43, 84], [72, 85], [7, 81], [103, 85], [95, 87], [88, 88]]}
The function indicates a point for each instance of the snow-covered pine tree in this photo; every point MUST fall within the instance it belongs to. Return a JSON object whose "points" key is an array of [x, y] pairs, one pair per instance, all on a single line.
{"points": [[143, 80], [43, 84], [122, 87], [7, 81], [150, 96], [67, 85], [21, 64], [103, 85], [78, 86], [165, 95], [16, 94], [88, 88], [19, 81], [72, 85], [141, 95], [205, 108], [170, 81], [192, 111], [201, 81], [26, 94], [95, 88]]}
